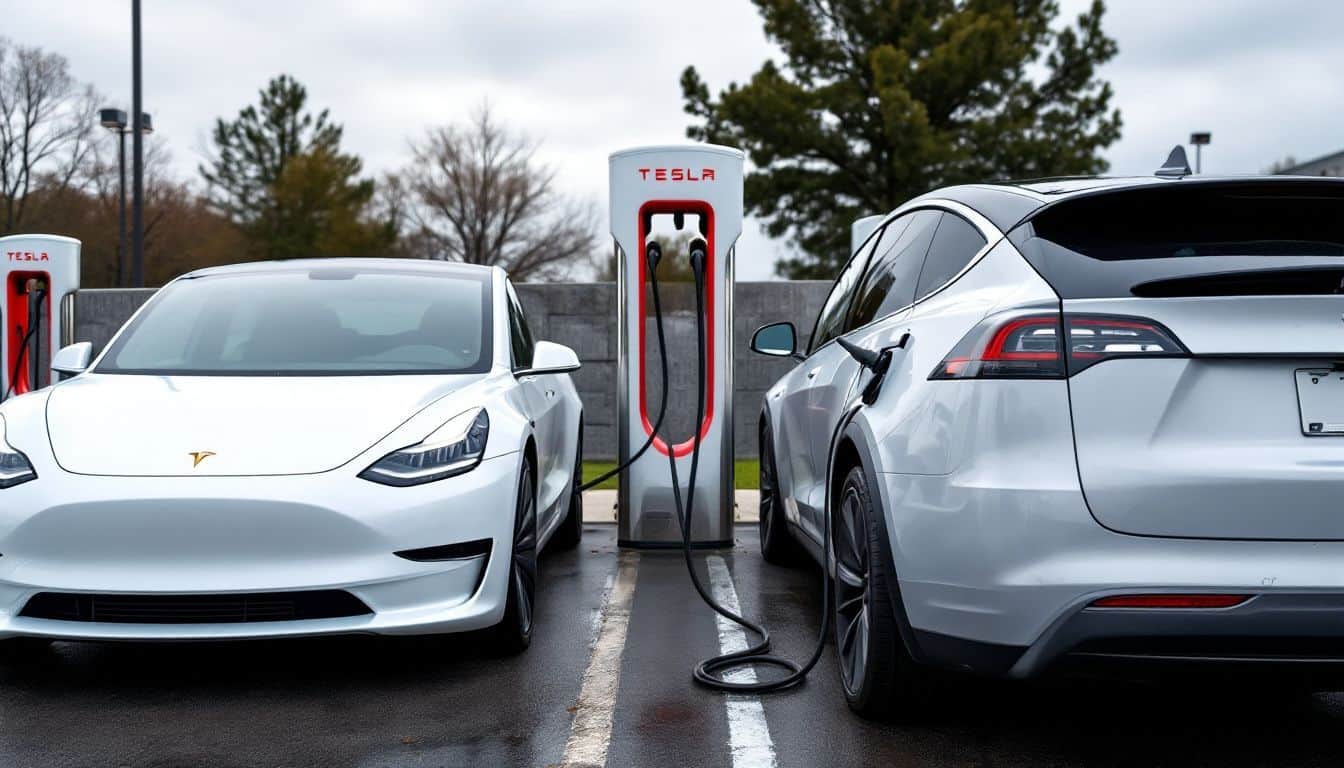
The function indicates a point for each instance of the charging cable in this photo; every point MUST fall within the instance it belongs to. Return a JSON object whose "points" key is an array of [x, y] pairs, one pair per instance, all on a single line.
{"points": [[39, 289], [711, 672], [653, 253]]}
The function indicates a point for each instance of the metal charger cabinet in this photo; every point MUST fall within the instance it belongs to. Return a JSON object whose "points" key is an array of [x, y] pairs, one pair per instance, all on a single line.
{"points": [[705, 182], [39, 272]]}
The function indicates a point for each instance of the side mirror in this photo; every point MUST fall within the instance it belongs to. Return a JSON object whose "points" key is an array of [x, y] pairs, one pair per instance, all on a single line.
{"points": [[73, 359], [776, 340], [549, 357]]}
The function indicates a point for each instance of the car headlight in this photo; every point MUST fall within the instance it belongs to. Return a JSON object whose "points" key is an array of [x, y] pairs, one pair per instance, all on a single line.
{"points": [[14, 466], [452, 449]]}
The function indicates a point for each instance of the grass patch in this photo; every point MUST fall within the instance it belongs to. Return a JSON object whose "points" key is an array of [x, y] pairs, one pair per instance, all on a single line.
{"points": [[746, 473]]}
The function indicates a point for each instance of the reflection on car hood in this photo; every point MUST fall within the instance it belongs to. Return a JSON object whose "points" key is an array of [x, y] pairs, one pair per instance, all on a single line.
{"points": [[131, 425]]}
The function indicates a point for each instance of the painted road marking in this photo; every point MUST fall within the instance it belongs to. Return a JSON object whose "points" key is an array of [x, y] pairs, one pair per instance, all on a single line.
{"points": [[590, 733], [748, 732]]}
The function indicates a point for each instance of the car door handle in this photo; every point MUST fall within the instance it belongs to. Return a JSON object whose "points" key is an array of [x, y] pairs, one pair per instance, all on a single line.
{"points": [[812, 374], [550, 393]]}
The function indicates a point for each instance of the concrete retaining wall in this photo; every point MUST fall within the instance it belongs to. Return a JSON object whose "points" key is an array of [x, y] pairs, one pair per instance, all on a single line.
{"points": [[583, 316]]}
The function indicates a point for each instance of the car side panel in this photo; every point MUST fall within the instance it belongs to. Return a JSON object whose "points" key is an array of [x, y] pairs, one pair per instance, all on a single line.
{"points": [[787, 401], [916, 418], [561, 440], [831, 374]]}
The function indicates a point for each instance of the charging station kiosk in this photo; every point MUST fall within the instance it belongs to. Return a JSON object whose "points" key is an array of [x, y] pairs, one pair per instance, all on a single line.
{"points": [[40, 272], [700, 183]]}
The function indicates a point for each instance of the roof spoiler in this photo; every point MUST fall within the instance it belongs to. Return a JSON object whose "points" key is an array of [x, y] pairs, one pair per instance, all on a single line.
{"points": [[1177, 165]]}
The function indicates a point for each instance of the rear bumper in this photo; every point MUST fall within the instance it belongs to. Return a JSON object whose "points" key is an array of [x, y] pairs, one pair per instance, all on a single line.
{"points": [[1303, 630], [1006, 590], [210, 536]]}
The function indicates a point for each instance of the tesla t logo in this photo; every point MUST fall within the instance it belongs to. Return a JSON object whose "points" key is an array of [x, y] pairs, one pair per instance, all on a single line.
{"points": [[677, 174], [198, 456], [27, 256]]}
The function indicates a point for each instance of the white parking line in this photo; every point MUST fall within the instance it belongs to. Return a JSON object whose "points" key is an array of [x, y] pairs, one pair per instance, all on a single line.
{"points": [[748, 732], [590, 733]]}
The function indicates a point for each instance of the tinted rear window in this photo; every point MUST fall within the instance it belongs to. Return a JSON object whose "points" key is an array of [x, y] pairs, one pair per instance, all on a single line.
{"points": [[1108, 244]]}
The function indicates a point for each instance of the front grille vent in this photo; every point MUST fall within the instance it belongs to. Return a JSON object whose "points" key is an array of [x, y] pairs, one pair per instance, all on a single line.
{"points": [[194, 609]]}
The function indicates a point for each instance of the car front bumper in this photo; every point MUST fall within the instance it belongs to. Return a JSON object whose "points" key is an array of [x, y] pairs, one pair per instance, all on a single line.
{"points": [[66, 533]]}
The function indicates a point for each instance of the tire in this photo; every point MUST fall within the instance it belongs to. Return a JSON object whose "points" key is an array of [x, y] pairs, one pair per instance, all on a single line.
{"points": [[777, 544], [877, 674], [570, 532], [513, 634]]}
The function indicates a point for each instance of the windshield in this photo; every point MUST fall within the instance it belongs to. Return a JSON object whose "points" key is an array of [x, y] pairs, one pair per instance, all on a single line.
{"points": [[310, 322]]}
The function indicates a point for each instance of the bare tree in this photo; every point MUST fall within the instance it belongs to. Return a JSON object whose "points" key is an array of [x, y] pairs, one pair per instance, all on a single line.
{"points": [[477, 194], [47, 128]]}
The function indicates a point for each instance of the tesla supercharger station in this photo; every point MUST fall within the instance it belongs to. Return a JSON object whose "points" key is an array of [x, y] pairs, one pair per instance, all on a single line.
{"points": [[698, 183], [41, 275]]}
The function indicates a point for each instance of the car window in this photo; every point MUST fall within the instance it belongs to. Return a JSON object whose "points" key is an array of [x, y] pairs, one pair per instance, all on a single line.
{"points": [[954, 245], [520, 334], [831, 319], [890, 282], [315, 321]]}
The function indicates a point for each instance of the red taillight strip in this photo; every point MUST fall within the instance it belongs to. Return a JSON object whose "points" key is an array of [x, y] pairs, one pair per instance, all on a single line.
{"points": [[994, 350], [1094, 320], [1170, 601]]}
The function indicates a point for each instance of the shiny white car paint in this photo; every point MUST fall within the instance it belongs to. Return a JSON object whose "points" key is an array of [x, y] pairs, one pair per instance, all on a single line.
{"points": [[118, 508], [992, 536]]}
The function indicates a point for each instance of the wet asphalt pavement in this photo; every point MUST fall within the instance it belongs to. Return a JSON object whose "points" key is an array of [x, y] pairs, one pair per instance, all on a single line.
{"points": [[447, 702]]}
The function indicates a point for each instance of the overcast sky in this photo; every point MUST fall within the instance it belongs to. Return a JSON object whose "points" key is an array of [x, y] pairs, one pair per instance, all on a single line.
{"points": [[586, 77]]}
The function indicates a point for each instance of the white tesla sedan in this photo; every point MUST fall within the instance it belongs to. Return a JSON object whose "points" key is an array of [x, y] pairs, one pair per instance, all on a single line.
{"points": [[294, 448]]}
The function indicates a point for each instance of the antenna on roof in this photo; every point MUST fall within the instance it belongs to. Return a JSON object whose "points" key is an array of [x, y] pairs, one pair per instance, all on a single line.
{"points": [[1177, 165]]}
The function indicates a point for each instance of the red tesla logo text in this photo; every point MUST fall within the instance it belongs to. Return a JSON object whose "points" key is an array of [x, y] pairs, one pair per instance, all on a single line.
{"points": [[677, 174], [28, 256]]}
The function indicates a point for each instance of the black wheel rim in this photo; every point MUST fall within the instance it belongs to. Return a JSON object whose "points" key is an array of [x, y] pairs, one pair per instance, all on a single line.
{"points": [[852, 598], [524, 577], [766, 512]]}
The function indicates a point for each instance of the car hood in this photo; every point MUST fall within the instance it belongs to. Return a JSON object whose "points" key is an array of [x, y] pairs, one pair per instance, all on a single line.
{"points": [[141, 426]]}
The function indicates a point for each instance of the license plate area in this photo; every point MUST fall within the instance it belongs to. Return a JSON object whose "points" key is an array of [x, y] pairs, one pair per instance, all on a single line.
{"points": [[1320, 401]]}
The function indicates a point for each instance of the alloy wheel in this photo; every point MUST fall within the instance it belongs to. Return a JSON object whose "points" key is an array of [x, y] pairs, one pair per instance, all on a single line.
{"points": [[853, 600], [766, 513], [523, 580]]}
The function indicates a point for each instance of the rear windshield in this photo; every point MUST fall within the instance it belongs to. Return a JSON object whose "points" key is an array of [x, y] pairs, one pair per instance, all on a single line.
{"points": [[1192, 238], [323, 321]]}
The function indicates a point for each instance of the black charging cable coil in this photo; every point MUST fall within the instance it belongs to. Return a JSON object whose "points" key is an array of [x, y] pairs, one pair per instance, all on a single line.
{"points": [[711, 672]]}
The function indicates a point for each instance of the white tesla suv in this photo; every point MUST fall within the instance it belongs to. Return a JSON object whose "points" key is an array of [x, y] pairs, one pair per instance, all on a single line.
{"points": [[1110, 424], [294, 448]]}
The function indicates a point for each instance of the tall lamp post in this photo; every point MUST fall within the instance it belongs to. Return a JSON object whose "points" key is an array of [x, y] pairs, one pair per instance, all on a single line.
{"points": [[138, 153], [115, 120], [1200, 139]]}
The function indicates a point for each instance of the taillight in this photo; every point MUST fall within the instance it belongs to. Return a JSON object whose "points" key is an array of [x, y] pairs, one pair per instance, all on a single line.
{"points": [[1027, 345]]}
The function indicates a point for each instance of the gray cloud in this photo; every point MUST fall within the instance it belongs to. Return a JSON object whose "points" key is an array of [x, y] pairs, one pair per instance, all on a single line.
{"points": [[589, 76]]}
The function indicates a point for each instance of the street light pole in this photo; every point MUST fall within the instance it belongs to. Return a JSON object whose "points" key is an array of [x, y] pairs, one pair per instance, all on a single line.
{"points": [[115, 121], [121, 210], [138, 154], [1200, 139]]}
